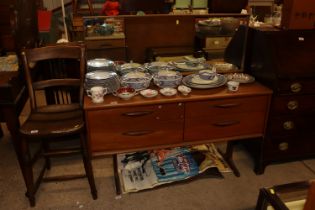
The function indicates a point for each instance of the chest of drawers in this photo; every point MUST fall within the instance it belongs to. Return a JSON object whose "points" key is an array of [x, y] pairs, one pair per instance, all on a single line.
{"points": [[284, 61], [204, 116]]}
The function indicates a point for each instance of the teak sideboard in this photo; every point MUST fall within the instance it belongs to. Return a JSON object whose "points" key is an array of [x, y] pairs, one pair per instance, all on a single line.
{"points": [[204, 116]]}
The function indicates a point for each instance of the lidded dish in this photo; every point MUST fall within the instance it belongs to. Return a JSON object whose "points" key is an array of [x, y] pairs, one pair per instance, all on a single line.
{"points": [[100, 64], [167, 78], [129, 67], [155, 66], [136, 79], [106, 79]]}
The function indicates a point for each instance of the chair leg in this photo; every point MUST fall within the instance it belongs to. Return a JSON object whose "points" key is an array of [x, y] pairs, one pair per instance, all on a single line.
{"points": [[88, 165], [46, 148], [28, 170]]}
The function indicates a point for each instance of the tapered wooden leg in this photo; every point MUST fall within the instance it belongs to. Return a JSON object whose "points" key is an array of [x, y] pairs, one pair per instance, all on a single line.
{"points": [[88, 166], [228, 156], [116, 176]]}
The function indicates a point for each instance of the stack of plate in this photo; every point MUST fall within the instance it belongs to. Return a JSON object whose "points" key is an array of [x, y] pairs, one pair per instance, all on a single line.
{"points": [[194, 81], [100, 64], [105, 79], [189, 66]]}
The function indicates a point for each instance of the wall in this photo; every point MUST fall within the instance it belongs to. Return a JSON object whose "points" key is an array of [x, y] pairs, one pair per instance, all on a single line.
{"points": [[54, 4]]}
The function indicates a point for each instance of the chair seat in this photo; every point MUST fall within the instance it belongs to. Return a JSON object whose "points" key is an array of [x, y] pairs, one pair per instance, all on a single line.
{"points": [[52, 121]]}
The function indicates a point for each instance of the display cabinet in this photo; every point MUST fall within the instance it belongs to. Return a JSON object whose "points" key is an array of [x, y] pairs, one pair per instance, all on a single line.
{"points": [[105, 38]]}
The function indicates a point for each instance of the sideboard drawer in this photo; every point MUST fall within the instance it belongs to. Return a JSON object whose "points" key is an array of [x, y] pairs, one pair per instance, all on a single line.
{"points": [[111, 137], [221, 107], [139, 114], [104, 43], [224, 126]]}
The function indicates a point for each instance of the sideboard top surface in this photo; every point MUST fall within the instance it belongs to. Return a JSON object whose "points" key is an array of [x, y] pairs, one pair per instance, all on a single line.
{"points": [[245, 90]]}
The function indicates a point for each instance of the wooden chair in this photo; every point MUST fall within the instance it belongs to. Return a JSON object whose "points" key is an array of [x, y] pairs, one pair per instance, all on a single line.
{"points": [[298, 195], [61, 118]]}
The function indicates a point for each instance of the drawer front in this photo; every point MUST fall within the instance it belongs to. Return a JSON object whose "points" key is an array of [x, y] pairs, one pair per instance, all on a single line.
{"points": [[293, 104], [287, 125], [296, 86], [284, 148], [140, 114], [104, 44], [224, 126], [227, 106], [111, 137], [217, 42]]}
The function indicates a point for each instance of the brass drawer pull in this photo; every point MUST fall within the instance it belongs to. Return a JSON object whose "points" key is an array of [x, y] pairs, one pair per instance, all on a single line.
{"points": [[226, 123], [283, 146], [137, 133], [227, 105], [296, 87], [288, 125], [137, 114], [292, 105]]}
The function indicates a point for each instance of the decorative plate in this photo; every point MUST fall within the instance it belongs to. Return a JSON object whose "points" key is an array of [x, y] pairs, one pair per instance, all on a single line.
{"points": [[221, 80], [240, 77]]}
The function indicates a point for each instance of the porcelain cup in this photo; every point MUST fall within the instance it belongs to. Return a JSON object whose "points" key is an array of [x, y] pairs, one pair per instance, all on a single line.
{"points": [[97, 94], [233, 86]]}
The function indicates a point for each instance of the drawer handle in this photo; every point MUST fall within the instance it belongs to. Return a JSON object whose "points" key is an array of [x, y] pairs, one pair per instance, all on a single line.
{"points": [[137, 114], [283, 146], [288, 125], [296, 87], [137, 133], [105, 45], [292, 105], [227, 105], [226, 123]]}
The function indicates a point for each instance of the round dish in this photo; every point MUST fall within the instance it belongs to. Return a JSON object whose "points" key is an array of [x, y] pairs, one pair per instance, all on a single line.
{"points": [[168, 91], [188, 82], [125, 93], [184, 90], [136, 80], [240, 77], [149, 93], [167, 78]]}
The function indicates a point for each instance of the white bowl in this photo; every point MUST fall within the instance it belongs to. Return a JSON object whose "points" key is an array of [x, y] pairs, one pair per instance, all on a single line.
{"points": [[184, 90], [168, 91], [149, 93]]}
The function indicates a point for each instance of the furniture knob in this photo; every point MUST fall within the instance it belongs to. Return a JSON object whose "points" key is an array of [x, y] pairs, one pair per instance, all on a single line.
{"points": [[180, 104], [160, 106], [296, 87], [283, 146], [292, 105], [288, 125]]}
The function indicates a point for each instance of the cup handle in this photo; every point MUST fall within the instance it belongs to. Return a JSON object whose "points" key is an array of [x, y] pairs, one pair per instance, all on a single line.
{"points": [[88, 92], [104, 91]]}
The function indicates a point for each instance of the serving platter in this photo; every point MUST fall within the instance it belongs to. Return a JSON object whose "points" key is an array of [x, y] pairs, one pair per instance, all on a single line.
{"points": [[240, 77], [192, 82]]}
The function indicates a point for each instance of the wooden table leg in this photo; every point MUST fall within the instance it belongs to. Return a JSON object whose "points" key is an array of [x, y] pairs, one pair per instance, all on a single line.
{"points": [[228, 156], [116, 176], [1, 132]]}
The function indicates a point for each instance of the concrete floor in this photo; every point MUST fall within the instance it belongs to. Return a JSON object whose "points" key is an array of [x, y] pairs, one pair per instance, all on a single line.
{"points": [[230, 193]]}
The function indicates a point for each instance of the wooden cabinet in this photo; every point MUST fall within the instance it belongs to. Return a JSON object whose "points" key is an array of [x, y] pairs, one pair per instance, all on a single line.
{"points": [[100, 42], [204, 116], [283, 60], [18, 24]]}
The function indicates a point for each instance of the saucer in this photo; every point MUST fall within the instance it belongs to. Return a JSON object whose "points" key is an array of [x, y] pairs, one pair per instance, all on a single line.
{"points": [[168, 91]]}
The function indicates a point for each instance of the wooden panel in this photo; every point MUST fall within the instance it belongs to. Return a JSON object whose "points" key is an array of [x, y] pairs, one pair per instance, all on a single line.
{"points": [[221, 107], [298, 14], [224, 125], [157, 31], [109, 137]]}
